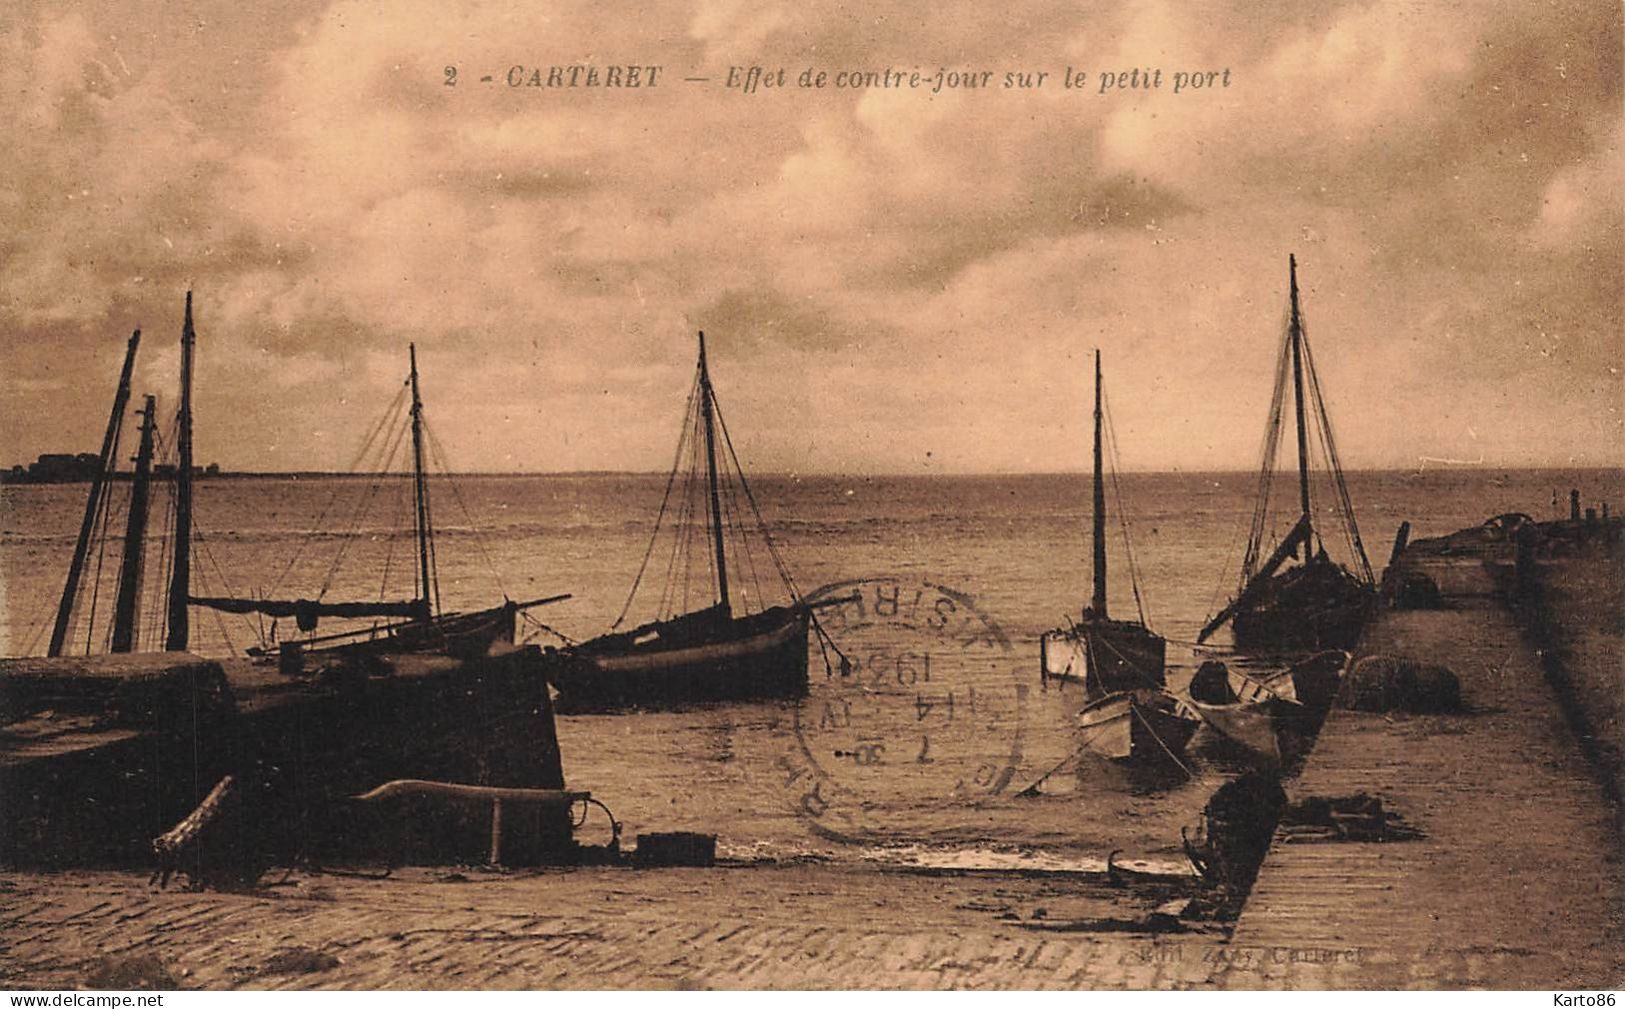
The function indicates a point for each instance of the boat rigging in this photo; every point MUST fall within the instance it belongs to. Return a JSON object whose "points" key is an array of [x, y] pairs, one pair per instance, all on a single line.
{"points": [[422, 625], [1108, 655], [706, 648], [1318, 603]]}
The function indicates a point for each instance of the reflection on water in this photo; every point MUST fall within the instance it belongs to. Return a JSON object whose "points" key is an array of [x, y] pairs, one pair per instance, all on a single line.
{"points": [[1016, 547]]}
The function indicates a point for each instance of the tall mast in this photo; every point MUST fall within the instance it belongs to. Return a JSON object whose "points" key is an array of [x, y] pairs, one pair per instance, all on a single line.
{"points": [[707, 407], [1295, 332], [180, 582], [70, 590], [421, 488], [127, 611], [1100, 507]]}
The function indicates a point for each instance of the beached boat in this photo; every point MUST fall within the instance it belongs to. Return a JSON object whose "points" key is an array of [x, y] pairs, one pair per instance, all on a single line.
{"points": [[1316, 603], [418, 626], [1273, 715], [1255, 727], [1310, 682], [718, 652], [1137, 726], [101, 753], [1107, 655], [1245, 710]]}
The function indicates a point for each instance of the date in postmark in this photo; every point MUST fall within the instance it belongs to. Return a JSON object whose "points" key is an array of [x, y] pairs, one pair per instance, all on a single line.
{"points": [[925, 715]]}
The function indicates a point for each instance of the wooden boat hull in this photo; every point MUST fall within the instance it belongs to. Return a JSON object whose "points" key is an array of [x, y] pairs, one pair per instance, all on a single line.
{"points": [[1107, 655], [486, 721], [458, 635], [1253, 726], [1290, 630], [1124, 727], [142, 738], [1314, 680], [462, 635], [1310, 683], [1271, 716], [759, 657], [1312, 608], [1257, 690]]}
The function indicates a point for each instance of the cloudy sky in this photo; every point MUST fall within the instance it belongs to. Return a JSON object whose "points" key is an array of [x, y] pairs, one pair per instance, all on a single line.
{"points": [[891, 280]]}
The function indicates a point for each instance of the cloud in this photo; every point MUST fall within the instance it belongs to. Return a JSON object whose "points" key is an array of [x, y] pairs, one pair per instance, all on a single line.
{"points": [[883, 271]]}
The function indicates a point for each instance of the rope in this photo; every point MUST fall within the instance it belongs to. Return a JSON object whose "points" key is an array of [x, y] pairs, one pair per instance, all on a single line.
{"points": [[389, 549], [767, 537], [157, 592], [730, 499], [680, 561], [434, 552], [361, 516], [682, 554], [1271, 452], [1089, 642], [220, 621], [772, 547], [366, 446], [544, 627], [704, 506], [158, 609], [1351, 526], [106, 508], [1177, 762], [1268, 452], [665, 499], [1032, 789], [1269, 448], [39, 626], [1122, 510], [457, 495]]}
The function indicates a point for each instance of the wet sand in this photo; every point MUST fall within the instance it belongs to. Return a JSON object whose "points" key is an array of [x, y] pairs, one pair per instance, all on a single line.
{"points": [[1517, 880], [782, 926]]}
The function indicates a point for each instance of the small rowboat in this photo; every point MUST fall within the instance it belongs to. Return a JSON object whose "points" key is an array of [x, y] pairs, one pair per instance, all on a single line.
{"points": [[1136, 727]]}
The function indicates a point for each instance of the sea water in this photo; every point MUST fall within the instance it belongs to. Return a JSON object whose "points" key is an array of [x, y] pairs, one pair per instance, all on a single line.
{"points": [[1015, 549]]}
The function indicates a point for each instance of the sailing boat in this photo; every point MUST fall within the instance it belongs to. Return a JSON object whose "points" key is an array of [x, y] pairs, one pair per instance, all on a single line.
{"points": [[100, 754], [1137, 726], [124, 634], [1109, 655], [713, 653], [421, 627], [1316, 604], [106, 740]]}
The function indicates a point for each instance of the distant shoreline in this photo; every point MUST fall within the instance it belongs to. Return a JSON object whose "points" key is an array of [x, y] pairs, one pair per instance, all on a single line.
{"points": [[9, 479]]}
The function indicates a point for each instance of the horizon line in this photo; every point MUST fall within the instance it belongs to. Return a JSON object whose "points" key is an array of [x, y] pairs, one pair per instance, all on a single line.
{"points": [[849, 474]]}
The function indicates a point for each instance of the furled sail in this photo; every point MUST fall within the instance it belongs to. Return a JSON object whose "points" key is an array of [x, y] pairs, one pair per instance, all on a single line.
{"points": [[307, 611]]}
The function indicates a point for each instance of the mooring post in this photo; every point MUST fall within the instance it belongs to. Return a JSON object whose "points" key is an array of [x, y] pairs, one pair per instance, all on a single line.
{"points": [[1574, 506], [496, 832], [1402, 537], [1523, 563]]}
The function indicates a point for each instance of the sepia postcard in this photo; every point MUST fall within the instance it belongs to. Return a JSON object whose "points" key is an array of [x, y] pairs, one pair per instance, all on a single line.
{"points": [[749, 494]]}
